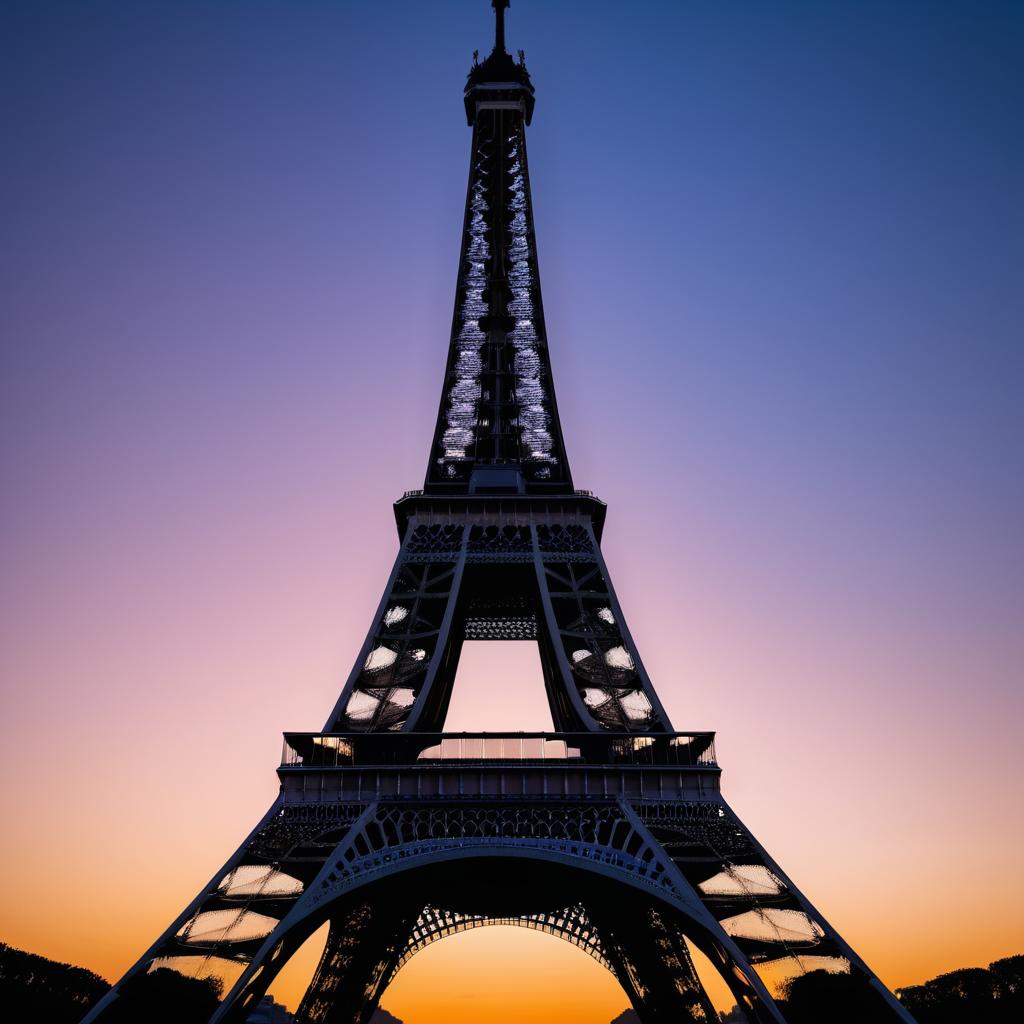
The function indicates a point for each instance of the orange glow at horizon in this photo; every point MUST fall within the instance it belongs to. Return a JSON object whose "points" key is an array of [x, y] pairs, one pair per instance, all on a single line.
{"points": [[781, 286], [98, 904], [506, 975], [170, 809]]}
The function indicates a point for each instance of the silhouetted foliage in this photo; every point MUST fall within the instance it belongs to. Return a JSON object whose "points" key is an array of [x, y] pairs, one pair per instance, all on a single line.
{"points": [[1009, 984], [164, 996], [837, 998], [992, 996], [33, 988], [967, 994]]}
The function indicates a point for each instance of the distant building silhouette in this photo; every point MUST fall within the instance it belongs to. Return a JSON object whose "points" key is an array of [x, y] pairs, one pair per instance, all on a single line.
{"points": [[733, 1016], [381, 1016], [269, 1012], [626, 1017]]}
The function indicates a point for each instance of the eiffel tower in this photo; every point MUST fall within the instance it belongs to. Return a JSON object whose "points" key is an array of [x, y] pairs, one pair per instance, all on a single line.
{"points": [[611, 832]]}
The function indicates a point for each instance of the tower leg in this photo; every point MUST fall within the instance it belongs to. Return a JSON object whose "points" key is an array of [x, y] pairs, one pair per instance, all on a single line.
{"points": [[763, 914], [403, 673], [263, 879], [593, 670], [654, 966], [361, 954], [263, 855]]}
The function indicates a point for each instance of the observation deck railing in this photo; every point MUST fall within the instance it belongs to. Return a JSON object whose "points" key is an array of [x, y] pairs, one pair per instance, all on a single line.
{"points": [[358, 750], [579, 492]]}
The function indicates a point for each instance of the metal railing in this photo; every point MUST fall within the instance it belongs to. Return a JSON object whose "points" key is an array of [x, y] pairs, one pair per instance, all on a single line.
{"points": [[357, 750], [579, 492]]}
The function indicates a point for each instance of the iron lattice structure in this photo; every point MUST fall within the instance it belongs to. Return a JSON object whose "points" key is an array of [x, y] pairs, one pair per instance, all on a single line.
{"points": [[610, 832]]}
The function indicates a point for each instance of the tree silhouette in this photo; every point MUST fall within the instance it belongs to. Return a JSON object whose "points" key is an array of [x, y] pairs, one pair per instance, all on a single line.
{"points": [[164, 996], [837, 998], [971, 994], [1008, 978], [33, 988]]}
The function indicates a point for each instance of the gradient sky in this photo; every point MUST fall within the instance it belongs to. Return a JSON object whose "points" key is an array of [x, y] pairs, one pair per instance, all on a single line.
{"points": [[782, 256]]}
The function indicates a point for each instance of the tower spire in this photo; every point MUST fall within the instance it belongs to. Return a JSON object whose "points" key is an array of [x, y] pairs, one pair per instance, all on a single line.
{"points": [[499, 24]]}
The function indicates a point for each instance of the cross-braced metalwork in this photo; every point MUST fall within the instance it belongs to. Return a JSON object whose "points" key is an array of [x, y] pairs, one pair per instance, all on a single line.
{"points": [[569, 923], [397, 834]]}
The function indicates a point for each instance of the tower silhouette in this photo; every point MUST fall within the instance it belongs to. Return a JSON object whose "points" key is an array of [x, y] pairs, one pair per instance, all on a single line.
{"points": [[610, 832]]}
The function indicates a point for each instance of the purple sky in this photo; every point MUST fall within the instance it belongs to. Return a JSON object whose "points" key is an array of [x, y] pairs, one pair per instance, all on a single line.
{"points": [[782, 256]]}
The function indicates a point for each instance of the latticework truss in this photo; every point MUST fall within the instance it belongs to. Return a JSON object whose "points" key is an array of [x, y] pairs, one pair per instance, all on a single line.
{"points": [[398, 835], [570, 924]]}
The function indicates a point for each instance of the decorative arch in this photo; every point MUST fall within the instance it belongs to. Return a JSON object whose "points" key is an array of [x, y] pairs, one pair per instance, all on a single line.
{"points": [[390, 842], [570, 924]]}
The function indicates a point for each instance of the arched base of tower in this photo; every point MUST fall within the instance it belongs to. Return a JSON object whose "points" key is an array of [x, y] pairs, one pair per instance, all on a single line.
{"points": [[635, 934]]}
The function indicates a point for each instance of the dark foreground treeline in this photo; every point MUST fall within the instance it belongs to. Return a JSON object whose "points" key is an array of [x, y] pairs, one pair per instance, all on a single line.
{"points": [[972, 995], [991, 996], [33, 988]]}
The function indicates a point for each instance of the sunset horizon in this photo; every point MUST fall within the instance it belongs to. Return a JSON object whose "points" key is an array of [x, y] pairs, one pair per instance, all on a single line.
{"points": [[781, 255]]}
